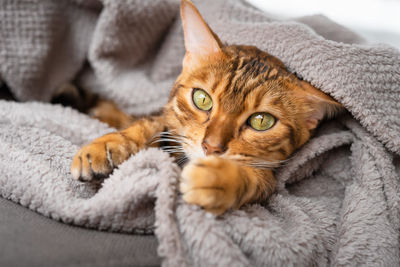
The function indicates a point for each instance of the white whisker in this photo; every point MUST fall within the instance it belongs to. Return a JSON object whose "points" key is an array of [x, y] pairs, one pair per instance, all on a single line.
{"points": [[168, 140], [178, 148], [253, 161], [169, 135], [182, 159], [174, 151], [172, 138]]}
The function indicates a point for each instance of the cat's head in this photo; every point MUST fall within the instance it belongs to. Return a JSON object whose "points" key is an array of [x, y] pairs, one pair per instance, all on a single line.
{"points": [[238, 101]]}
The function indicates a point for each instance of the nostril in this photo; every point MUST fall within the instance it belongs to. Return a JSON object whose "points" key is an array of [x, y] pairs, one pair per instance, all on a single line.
{"points": [[205, 147], [211, 149]]}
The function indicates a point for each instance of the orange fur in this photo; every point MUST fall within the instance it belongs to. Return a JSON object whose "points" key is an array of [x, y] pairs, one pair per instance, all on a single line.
{"points": [[229, 163], [108, 112]]}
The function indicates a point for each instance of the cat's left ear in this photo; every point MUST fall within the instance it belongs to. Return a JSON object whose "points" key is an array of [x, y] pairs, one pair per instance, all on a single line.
{"points": [[200, 40], [320, 105]]}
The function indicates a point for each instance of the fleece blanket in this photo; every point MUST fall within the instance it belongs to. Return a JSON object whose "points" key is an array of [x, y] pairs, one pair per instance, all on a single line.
{"points": [[337, 201]]}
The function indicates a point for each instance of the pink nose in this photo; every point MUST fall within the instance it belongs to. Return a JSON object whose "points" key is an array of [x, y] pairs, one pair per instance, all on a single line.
{"points": [[212, 148]]}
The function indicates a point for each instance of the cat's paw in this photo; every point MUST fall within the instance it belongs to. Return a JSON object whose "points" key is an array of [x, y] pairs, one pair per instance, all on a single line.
{"points": [[98, 159], [212, 183]]}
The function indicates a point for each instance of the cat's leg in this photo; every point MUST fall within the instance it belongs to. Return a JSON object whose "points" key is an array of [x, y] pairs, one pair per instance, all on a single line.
{"points": [[218, 184], [108, 112], [97, 159], [86, 101]]}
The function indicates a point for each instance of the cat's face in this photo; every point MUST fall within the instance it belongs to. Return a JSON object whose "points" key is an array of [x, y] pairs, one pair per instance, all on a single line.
{"points": [[239, 102]]}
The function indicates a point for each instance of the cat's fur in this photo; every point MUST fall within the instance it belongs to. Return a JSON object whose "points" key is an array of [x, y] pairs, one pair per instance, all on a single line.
{"points": [[229, 163]]}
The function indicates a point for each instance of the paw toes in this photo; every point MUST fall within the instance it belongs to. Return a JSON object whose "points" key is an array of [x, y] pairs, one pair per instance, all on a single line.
{"points": [[76, 167], [99, 165], [209, 183], [207, 198], [98, 159], [87, 167]]}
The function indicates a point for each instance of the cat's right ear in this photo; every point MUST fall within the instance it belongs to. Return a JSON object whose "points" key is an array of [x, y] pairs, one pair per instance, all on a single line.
{"points": [[320, 105], [200, 40]]}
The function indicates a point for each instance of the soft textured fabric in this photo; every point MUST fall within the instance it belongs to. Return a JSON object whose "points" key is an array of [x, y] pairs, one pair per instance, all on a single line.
{"points": [[338, 198]]}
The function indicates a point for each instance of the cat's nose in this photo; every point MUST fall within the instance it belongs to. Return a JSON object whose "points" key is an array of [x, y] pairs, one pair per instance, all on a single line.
{"points": [[212, 148]]}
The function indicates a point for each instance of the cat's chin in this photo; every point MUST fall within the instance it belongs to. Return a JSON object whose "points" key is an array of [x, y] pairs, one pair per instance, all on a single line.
{"points": [[193, 153], [191, 157], [195, 157]]}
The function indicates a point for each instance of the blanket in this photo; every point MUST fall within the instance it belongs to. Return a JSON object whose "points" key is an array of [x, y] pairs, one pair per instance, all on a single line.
{"points": [[338, 197]]}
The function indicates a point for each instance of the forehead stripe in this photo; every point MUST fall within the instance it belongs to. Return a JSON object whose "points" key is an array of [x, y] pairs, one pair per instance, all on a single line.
{"points": [[232, 73]]}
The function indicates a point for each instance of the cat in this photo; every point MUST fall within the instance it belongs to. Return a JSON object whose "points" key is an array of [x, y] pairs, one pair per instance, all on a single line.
{"points": [[234, 113]]}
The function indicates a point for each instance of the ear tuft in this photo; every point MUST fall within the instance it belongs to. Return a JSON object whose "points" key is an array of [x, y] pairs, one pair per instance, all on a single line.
{"points": [[321, 105], [199, 38], [320, 109]]}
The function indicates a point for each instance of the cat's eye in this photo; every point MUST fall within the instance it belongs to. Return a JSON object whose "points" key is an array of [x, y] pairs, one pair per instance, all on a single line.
{"points": [[261, 121], [202, 100]]}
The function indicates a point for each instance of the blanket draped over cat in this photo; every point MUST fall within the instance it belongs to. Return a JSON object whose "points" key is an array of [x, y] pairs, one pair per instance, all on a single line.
{"points": [[338, 198]]}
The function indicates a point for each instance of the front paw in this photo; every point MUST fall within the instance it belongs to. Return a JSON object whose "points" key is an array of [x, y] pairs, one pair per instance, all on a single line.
{"points": [[98, 159], [212, 183]]}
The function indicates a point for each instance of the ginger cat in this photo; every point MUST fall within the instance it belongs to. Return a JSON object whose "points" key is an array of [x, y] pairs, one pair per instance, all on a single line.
{"points": [[235, 113]]}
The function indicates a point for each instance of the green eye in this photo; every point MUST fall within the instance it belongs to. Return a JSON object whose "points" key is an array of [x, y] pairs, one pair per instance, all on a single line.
{"points": [[202, 100], [261, 121]]}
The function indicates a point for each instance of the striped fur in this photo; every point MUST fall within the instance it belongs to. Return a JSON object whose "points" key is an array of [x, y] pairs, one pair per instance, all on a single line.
{"points": [[241, 81]]}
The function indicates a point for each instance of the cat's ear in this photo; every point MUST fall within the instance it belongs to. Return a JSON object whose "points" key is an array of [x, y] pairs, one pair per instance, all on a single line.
{"points": [[200, 40], [320, 105]]}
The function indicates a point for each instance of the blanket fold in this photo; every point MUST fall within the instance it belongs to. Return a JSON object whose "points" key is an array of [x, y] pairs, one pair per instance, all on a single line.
{"points": [[338, 198]]}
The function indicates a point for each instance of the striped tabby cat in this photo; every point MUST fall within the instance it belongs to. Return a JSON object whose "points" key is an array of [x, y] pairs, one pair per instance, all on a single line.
{"points": [[235, 113]]}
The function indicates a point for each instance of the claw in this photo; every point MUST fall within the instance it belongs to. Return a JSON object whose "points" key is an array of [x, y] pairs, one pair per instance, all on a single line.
{"points": [[96, 161]]}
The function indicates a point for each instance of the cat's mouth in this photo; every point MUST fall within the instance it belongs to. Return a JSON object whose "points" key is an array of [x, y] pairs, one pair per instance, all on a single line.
{"points": [[179, 146], [185, 150], [173, 143]]}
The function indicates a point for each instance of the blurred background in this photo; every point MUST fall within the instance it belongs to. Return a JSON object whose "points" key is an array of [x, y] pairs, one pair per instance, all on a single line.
{"points": [[378, 21]]}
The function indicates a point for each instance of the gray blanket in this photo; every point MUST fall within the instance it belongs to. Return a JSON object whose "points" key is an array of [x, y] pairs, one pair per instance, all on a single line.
{"points": [[338, 198]]}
